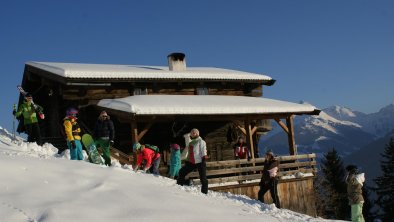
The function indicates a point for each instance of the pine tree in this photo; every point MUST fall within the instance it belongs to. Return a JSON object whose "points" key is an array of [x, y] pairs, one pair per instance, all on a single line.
{"points": [[334, 187], [385, 183], [368, 205]]}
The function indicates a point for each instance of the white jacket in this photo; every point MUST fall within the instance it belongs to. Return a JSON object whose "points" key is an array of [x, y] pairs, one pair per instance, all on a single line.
{"points": [[360, 178], [197, 150]]}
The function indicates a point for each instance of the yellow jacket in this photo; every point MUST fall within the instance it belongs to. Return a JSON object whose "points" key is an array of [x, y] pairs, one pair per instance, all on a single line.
{"points": [[71, 128]]}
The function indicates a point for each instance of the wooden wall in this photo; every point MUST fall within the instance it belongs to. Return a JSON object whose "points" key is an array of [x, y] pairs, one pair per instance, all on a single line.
{"points": [[215, 134], [297, 194], [96, 93], [85, 97]]}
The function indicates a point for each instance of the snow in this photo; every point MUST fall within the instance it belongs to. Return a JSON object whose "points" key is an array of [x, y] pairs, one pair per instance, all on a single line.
{"points": [[343, 111], [109, 71], [203, 104], [37, 184], [297, 175], [325, 121]]}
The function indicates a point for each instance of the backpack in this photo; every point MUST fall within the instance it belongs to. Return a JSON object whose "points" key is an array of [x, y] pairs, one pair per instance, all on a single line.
{"points": [[153, 147]]}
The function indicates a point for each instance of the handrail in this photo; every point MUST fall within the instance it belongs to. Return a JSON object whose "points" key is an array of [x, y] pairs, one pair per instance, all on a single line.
{"points": [[232, 170], [120, 156]]}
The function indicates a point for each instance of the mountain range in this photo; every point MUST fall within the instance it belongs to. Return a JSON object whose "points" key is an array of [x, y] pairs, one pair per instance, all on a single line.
{"points": [[359, 138], [336, 127]]}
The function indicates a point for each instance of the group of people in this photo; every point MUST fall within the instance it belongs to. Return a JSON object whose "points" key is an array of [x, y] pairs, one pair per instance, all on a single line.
{"points": [[196, 157], [104, 132], [269, 182]]}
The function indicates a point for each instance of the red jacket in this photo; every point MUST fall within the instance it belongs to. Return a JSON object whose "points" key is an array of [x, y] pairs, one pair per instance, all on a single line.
{"points": [[148, 155], [241, 151]]}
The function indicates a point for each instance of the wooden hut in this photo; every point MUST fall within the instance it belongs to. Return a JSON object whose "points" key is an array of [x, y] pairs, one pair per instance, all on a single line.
{"points": [[57, 86], [155, 103]]}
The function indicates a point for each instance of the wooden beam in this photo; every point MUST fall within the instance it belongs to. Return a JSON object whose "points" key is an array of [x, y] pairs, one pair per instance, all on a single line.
{"points": [[134, 132], [241, 128], [134, 137], [290, 135], [281, 124], [249, 137], [243, 169], [254, 130], [145, 130]]}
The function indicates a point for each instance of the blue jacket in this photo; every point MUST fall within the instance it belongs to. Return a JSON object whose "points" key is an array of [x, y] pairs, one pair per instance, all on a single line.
{"points": [[175, 160]]}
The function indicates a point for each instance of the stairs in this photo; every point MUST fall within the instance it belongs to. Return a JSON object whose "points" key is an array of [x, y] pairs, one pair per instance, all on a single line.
{"points": [[122, 157]]}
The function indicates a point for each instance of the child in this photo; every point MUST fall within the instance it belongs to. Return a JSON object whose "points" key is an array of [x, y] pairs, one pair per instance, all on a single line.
{"points": [[175, 160], [146, 153]]}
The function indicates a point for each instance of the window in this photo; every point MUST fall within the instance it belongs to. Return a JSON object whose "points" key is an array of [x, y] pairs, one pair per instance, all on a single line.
{"points": [[139, 91], [202, 91]]}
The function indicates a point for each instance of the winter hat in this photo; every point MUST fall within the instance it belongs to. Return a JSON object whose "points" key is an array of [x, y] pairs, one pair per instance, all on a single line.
{"points": [[136, 146], [175, 146], [71, 111], [352, 169], [269, 152]]}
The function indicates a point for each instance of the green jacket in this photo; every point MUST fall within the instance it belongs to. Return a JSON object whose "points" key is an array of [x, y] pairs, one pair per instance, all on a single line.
{"points": [[29, 114]]}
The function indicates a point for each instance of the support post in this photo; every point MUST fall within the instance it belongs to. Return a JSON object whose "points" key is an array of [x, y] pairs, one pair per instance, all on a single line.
{"points": [[249, 137], [290, 135], [134, 138], [134, 132]]}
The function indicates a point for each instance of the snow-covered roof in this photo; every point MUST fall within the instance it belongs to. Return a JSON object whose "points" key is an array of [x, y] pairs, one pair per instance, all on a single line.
{"points": [[107, 71], [202, 105]]}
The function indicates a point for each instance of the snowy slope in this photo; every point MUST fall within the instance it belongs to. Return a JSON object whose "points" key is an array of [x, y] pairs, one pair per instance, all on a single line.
{"points": [[38, 185]]}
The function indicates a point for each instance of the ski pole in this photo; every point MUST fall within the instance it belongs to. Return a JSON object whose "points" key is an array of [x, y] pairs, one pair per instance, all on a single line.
{"points": [[13, 122]]}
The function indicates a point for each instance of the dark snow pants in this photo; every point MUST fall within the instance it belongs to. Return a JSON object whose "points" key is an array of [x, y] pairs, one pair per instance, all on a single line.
{"points": [[202, 171], [272, 187], [33, 132]]}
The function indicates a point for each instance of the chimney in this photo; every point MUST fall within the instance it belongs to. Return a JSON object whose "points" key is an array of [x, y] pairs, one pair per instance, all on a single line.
{"points": [[176, 61]]}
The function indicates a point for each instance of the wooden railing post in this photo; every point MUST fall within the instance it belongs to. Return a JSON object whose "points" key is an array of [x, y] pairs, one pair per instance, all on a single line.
{"points": [[249, 137], [290, 135]]}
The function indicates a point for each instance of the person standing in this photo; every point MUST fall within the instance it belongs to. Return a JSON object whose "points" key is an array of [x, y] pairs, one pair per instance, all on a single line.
{"points": [[241, 150], [268, 180], [72, 131], [30, 121], [104, 134], [149, 155], [355, 182], [175, 160], [197, 155]]}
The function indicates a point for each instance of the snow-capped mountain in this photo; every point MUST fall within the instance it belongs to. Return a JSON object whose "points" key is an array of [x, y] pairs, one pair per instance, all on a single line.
{"points": [[379, 123], [343, 113], [336, 127]]}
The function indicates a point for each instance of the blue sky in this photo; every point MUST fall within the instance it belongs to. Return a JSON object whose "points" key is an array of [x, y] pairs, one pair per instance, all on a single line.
{"points": [[323, 52]]}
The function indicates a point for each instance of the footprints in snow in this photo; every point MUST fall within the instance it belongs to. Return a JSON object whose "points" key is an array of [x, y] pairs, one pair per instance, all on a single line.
{"points": [[10, 206]]}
